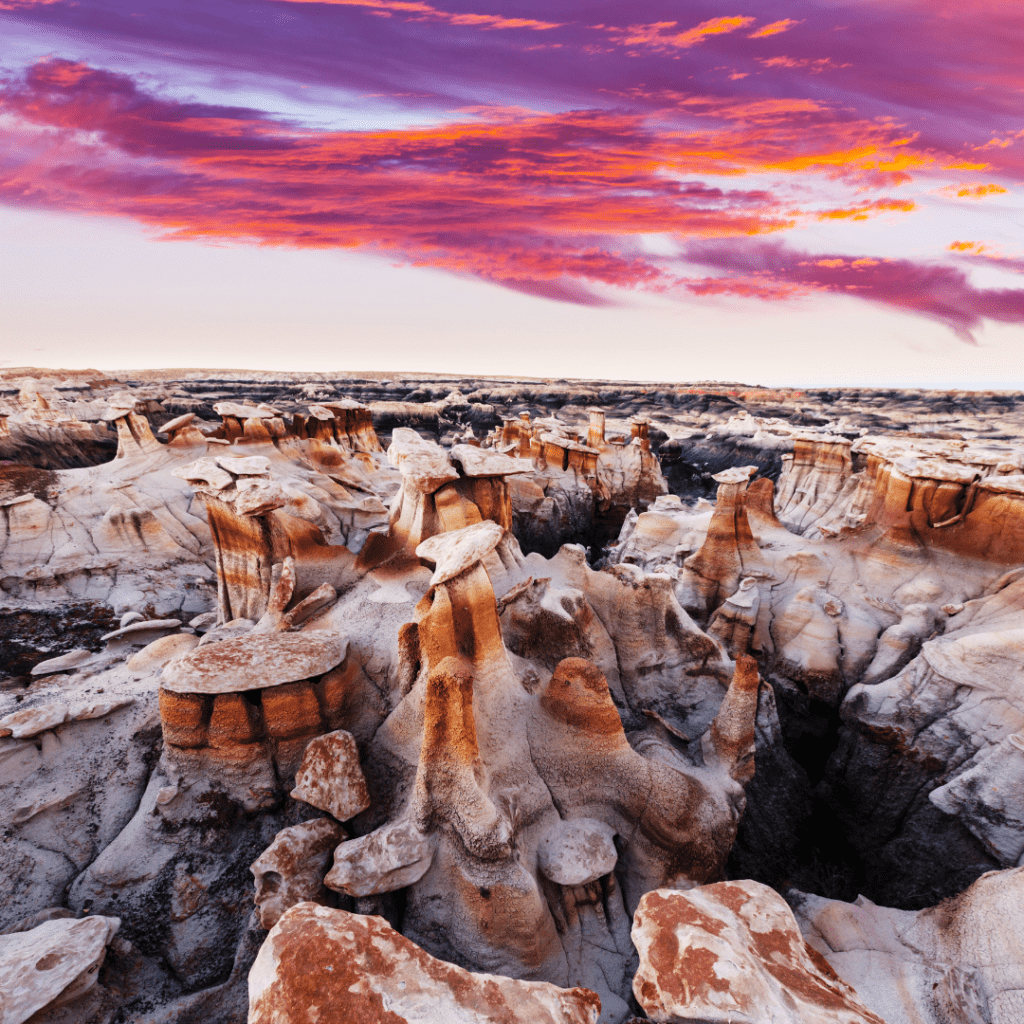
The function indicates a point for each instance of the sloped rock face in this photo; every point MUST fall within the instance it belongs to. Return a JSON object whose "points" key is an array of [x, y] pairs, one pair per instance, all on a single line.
{"points": [[959, 961], [319, 964], [943, 738]]}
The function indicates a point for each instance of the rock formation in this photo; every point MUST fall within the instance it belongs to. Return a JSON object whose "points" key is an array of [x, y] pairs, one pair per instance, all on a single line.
{"points": [[267, 676]]}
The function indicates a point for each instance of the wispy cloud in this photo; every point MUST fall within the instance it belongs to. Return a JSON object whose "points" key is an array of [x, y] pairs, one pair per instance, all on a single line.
{"points": [[665, 35], [414, 10]]}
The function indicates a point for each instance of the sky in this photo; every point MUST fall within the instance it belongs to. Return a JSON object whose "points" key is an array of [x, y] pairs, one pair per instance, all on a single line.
{"points": [[814, 192]]}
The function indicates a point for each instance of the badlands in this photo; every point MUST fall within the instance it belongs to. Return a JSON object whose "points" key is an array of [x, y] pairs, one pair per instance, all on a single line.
{"points": [[348, 698]]}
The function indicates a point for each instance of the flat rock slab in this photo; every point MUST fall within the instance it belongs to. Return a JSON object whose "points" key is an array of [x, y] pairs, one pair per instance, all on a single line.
{"points": [[455, 551], [487, 462], [39, 965], [732, 952], [320, 965], [256, 661]]}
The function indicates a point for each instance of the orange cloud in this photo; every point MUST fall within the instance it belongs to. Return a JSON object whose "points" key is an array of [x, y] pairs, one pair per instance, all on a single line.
{"points": [[862, 211], [659, 34], [972, 191], [773, 29], [425, 12]]}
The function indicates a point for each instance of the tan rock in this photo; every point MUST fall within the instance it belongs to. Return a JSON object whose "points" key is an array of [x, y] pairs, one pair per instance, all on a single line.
{"points": [[32, 721], [452, 553], [330, 778], [291, 870], [480, 462], [159, 652], [328, 965]]}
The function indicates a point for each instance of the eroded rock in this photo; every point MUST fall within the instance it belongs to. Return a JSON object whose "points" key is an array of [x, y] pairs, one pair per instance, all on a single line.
{"points": [[319, 964]]}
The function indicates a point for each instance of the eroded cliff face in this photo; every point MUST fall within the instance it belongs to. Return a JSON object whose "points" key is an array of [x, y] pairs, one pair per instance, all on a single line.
{"points": [[459, 779]]}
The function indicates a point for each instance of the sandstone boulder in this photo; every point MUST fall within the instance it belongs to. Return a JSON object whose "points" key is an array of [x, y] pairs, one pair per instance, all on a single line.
{"points": [[321, 965], [732, 953]]}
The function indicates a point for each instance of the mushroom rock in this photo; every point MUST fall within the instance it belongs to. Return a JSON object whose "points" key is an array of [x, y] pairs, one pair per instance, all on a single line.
{"points": [[134, 434], [319, 964], [958, 961], [354, 425], [732, 953], [53, 965], [729, 551], [424, 464], [291, 870], [458, 616], [437, 498], [245, 709], [183, 433], [496, 803]]}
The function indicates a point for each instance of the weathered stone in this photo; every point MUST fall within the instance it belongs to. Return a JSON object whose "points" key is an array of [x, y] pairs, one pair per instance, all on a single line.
{"points": [[291, 870], [322, 965], [53, 964], [732, 953], [291, 710], [577, 851], [233, 720], [32, 721], [185, 717], [330, 777]]}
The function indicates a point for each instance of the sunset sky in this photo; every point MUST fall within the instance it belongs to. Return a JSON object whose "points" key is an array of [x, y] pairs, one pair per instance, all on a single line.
{"points": [[825, 192]]}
